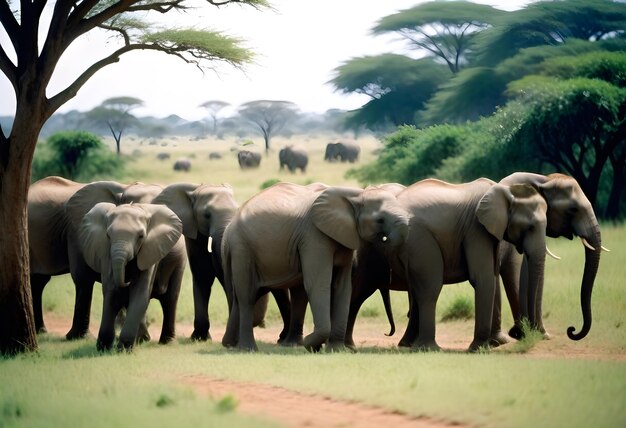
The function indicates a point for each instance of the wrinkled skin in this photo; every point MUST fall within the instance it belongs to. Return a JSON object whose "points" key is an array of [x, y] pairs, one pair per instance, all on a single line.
{"points": [[205, 210], [343, 152], [248, 159], [289, 235], [569, 214], [293, 158], [54, 248], [125, 244], [454, 236]]}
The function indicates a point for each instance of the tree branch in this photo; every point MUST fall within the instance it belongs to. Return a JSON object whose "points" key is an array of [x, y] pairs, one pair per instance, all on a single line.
{"points": [[8, 68], [8, 21]]}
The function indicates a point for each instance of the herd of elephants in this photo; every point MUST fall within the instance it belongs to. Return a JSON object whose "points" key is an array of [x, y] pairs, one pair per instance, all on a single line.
{"points": [[330, 247]]}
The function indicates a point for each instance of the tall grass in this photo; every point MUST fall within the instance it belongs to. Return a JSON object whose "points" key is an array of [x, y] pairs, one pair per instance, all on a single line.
{"points": [[71, 384]]}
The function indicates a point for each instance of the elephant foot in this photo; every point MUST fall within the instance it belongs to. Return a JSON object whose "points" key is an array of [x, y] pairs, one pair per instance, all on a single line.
{"points": [[143, 337], [125, 346], [313, 342], [546, 335], [291, 341], [479, 345], [516, 332], [164, 340], [248, 347], [338, 347], [425, 346], [314, 349], [498, 338], [42, 329], [403, 343], [76, 334], [103, 346], [200, 336]]}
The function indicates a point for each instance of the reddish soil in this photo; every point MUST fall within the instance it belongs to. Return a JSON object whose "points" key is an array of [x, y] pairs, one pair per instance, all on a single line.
{"points": [[285, 406]]}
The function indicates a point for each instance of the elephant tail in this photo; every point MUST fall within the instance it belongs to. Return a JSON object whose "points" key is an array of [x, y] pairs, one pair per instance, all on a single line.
{"points": [[384, 292]]}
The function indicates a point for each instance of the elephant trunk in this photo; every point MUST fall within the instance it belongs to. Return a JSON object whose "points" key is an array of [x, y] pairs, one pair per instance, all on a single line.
{"points": [[536, 267], [119, 259], [592, 261]]}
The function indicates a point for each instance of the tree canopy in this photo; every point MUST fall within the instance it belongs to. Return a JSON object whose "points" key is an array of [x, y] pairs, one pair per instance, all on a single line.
{"points": [[38, 33], [269, 116]]}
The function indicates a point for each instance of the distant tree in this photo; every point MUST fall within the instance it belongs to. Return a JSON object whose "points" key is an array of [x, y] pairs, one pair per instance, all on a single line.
{"points": [[38, 42], [76, 155], [397, 85], [115, 112], [441, 29], [269, 116], [214, 107]]}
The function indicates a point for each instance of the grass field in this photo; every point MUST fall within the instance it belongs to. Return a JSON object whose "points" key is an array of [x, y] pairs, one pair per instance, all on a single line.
{"points": [[555, 383]]}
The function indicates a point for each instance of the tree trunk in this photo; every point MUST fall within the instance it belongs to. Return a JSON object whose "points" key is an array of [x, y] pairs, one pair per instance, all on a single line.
{"points": [[17, 323]]}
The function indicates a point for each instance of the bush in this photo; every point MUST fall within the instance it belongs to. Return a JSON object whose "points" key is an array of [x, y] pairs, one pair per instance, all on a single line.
{"points": [[269, 183], [461, 308], [76, 155]]}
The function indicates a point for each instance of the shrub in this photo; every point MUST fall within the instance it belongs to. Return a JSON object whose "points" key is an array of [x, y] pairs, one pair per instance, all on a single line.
{"points": [[462, 308]]}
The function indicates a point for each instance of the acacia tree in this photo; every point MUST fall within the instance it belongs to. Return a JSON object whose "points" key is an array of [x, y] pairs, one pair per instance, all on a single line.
{"points": [[214, 107], [269, 116], [29, 60], [116, 113]]}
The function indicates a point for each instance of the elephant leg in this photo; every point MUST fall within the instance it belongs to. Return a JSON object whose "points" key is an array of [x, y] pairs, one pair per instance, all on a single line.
{"points": [[231, 335], [168, 304], [497, 338], [260, 308], [482, 276], [138, 300], [111, 305], [281, 296], [203, 275], [412, 328], [37, 283], [340, 306], [510, 273], [299, 301], [245, 290], [83, 282], [317, 277]]}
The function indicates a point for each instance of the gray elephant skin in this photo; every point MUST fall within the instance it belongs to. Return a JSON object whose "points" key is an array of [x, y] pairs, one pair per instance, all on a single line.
{"points": [[569, 214], [54, 246], [248, 159], [125, 244], [293, 158], [343, 152], [288, 235], [454, 235], [182, 165]]}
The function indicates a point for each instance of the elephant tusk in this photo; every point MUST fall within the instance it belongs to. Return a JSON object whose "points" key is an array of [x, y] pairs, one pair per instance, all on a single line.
{"points": [[551, 254], [210, 244], [384, 239], [605, 249], [586, 244]]}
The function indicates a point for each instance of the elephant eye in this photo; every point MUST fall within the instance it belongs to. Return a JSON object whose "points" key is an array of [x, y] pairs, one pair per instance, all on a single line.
{"points": [[207, 215], [380, 221]]}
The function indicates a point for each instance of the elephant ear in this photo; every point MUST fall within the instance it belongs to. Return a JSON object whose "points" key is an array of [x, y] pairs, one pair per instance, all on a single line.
{"points": [[178, 198], [89, 195], [493, 210], [92, 236], [162, 234], [334, 213]]}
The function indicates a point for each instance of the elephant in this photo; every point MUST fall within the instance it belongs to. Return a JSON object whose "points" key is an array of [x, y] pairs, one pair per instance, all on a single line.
{"points": [[454, 235], [182, 165], [293, 157], [248, 159], [205, 210], [54, 248], [288, 235], [569, 214], [125, 244], [344, 152], [163, 156]]}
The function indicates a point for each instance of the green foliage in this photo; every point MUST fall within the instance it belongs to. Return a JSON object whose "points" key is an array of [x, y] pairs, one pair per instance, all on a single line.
{"points": [[462, 308], [531, 338], [76, 155], [164, 400], [226, 404], [269, 183]]}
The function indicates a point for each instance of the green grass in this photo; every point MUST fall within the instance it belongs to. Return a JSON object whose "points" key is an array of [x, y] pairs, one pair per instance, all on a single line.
{"points": [[462, 308], [535, 383]]}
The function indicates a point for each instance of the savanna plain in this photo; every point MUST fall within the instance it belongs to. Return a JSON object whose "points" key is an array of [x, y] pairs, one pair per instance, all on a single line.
{"points": [[551, 383]]}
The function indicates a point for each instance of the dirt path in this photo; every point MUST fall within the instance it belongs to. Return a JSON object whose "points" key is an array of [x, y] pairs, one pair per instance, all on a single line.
{"points": [[294, 409]]}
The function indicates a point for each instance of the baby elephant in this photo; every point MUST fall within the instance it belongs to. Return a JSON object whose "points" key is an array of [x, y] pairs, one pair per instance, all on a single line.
{"points": [[125, 244]]}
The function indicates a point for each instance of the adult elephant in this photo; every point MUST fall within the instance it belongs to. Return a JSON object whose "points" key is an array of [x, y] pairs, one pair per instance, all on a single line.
{"points": [[344, 152], [205, 210], [288, 235], [248, 159], [569, 214], [182, 165], [54, 248], [125, 244], [293, 157], [454, 235]]}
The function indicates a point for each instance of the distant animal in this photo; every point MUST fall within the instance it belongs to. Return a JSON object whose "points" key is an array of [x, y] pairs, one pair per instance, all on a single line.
{"points": [[215, 155], [182, 165], [163, 156], [293, 157], [248, 159], [344, 152]]}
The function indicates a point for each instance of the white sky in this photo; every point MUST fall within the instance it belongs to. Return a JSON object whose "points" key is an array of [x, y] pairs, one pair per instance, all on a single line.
{"points": [[297, 47]]}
